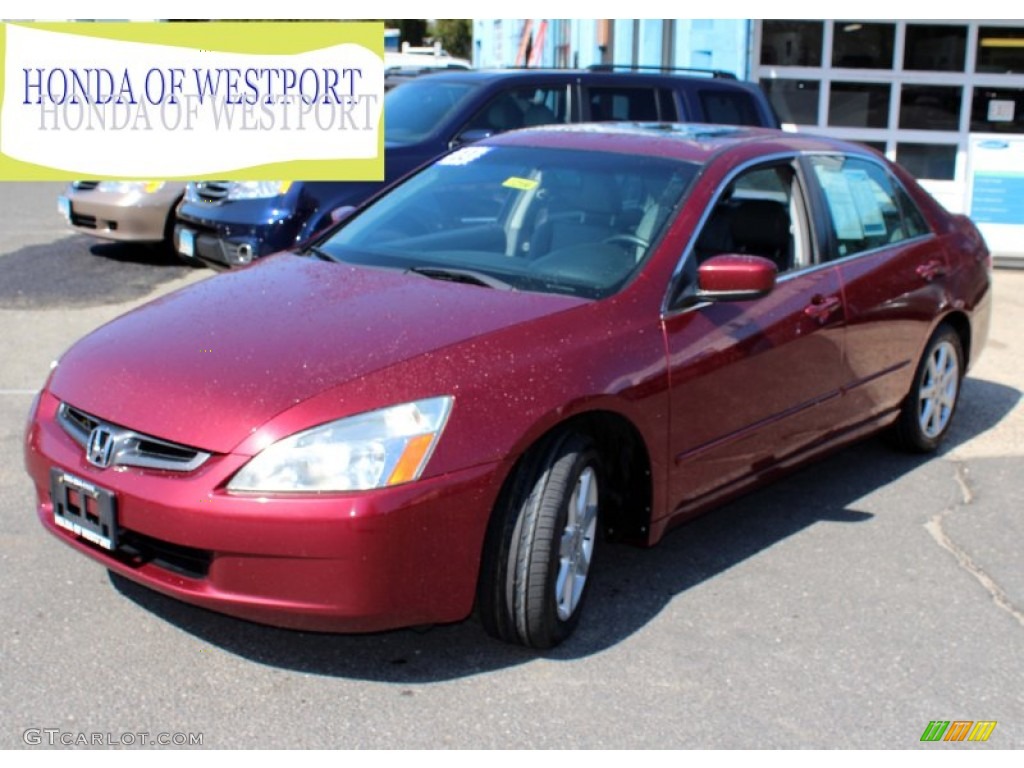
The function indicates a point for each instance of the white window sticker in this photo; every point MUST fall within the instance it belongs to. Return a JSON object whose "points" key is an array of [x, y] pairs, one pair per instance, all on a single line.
{"points": [[464, 156], [866, 199], [841, 204]]}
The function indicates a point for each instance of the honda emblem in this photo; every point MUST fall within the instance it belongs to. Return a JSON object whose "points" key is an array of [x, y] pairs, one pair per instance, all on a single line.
{"points": [[101, 447]]}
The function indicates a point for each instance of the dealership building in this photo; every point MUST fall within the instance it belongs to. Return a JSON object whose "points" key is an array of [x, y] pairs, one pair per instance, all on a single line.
{"points": [[943, 98]]}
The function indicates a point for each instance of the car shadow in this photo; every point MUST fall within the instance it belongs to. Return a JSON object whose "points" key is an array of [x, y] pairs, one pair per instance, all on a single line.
{"points": [[154, 254], [630, 586], [76, 271]]}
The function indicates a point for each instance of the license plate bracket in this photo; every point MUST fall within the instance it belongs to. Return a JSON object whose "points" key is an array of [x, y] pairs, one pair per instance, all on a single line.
{"points": [[84, 509]]}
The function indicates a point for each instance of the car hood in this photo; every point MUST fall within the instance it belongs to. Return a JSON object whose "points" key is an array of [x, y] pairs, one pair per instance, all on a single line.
{"points": [[208, 365]]}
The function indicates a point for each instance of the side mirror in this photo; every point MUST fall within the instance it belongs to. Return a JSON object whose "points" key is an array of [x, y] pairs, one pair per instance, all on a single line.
{"points": [[337, 215], [341, 213], [735, 277], [471, 136]]}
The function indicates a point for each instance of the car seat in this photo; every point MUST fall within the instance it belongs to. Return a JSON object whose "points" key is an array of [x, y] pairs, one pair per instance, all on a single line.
{"points": [[587, 217]]}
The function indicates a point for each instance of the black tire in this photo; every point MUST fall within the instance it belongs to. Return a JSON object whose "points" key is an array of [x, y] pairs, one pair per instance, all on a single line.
{"points": [[927, 413], [540, 544]]}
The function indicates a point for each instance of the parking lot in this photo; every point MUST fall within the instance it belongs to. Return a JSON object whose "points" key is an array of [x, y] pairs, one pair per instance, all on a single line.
{"points": [[845, 607]]}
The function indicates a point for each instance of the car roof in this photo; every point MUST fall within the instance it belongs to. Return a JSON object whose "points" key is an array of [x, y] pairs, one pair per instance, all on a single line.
{"points": [[694, 142]]}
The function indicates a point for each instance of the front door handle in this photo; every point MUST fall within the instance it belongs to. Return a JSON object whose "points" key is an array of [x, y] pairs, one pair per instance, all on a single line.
{"points": [[822, 308]]}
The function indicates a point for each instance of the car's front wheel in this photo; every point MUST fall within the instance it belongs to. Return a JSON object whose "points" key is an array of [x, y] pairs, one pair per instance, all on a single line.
{"points": [[541, 544], [928, 410]]}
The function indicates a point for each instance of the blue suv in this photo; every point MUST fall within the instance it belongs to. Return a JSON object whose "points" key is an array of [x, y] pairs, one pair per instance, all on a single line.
{"points": [[226, 224]]}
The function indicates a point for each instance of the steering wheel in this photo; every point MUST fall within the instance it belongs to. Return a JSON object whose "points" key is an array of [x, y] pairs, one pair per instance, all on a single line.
{"points": [[625, 239]]}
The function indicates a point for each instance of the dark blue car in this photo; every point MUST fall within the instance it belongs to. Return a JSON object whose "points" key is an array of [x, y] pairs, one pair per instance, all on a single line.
{"points": [[226, 224]]}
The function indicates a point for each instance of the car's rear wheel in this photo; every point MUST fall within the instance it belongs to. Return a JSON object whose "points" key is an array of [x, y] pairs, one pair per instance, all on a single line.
{"points": [[541, 544], [928, 410]]}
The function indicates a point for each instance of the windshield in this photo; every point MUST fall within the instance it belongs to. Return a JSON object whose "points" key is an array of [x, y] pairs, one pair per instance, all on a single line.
{"points": [[415, 109], [549, 220]]}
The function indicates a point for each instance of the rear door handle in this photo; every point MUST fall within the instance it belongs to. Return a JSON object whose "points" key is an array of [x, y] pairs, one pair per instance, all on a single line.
{"points": [[822, 308], [931, 270]]}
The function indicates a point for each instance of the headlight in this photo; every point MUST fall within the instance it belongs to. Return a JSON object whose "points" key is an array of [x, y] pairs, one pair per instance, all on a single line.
{"points": [[251, 190], [124, 187], [358, 453]]}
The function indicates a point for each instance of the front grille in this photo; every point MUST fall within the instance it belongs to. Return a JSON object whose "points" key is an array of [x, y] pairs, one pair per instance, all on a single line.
{"points": [[136, 549], [212, 191], [76, 422], [129, 448], [84, 185]]}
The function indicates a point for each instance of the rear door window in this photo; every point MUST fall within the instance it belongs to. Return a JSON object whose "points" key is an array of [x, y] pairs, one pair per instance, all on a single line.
{"points": [[868, 208], [608, 103]]}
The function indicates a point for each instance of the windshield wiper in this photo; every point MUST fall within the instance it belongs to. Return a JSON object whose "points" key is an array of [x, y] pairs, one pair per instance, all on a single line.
{"points": [[470, 276], [320, 253]]}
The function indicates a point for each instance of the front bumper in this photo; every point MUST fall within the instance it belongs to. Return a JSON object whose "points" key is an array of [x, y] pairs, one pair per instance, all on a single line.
{"points": [[126, 217], [207, 247], [352, 562], [211, 234]]}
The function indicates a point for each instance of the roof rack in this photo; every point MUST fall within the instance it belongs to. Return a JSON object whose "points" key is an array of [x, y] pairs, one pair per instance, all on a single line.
{"points": [[424, 70], [719, 73]]}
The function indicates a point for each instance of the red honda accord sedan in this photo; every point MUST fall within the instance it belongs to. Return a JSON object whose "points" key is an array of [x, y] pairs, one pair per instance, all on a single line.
{"points": [[555, 333]]}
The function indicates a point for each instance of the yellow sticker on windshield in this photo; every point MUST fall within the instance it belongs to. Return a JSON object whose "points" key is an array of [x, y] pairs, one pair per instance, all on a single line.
{"points": [[514, 182]]}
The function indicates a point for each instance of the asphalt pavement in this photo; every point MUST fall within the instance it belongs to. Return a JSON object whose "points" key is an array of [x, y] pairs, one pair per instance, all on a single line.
{"points": [[845, 607]]}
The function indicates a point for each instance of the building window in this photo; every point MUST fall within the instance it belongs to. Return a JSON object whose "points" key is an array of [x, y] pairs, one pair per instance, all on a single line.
{"points": [[859, 105], [862, 45], [997, 110], [795, 101], [928, 161], [791, 43], [935, 48], [1000, 49], [930, 107]]}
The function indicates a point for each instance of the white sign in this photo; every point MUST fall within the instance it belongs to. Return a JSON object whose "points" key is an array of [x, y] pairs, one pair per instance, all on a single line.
{"points": [[104, 107], [1000, 111]]}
